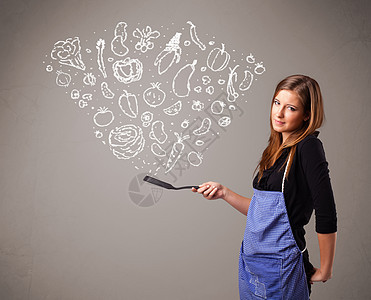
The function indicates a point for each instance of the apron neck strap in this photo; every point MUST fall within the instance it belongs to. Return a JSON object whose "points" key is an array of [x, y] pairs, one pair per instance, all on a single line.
{"points": [[284, 174]]}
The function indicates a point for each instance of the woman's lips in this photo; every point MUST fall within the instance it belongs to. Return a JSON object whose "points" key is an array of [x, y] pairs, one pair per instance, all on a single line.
{"points": [[279, 122]]}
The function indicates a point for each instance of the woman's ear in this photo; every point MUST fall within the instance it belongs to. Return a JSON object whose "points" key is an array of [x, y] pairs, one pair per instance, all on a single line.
{"points": [[307, 116]]}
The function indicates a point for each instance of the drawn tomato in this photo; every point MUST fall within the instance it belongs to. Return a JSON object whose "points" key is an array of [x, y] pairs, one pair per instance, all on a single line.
{"points": [[103, 117], [195, 158]]}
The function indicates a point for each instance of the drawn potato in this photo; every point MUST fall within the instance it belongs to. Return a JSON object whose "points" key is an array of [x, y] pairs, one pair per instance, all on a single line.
{"points": [[158, 132]]}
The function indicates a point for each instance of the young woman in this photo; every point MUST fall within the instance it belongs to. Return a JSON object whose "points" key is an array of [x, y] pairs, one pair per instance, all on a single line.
{"points": [[292, 181]]}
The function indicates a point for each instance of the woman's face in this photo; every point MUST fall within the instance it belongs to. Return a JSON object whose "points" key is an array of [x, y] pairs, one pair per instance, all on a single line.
{"points": [[287, 113]]}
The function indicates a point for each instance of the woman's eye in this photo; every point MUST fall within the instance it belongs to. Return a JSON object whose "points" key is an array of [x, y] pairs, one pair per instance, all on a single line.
{"points": [[276, 102], [291, 108]]}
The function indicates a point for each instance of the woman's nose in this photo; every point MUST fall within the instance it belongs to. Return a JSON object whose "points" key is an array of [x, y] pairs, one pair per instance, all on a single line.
{"points": [[279, 112]]}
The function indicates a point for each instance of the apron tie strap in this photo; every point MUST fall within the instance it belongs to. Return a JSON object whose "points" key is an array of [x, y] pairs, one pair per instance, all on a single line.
{"points": [[284, 174]]}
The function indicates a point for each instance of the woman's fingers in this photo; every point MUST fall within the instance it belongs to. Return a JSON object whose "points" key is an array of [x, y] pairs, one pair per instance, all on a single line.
{"points": [[207, 189]]}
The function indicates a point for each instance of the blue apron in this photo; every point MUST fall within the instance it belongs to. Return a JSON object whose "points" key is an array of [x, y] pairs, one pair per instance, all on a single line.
{"points": [[270, 264]]}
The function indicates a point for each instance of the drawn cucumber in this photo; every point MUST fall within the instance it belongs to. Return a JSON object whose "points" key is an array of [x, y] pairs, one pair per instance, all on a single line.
{"points": [[247, 81], [106, 92], [204, 128]]}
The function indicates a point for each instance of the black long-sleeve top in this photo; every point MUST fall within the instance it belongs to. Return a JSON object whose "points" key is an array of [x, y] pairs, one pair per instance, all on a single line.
{"points": [[307, 188]]}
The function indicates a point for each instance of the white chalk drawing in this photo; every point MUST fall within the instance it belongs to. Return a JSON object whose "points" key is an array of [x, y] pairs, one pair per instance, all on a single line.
{"points": [[185, 123], [204, 127], [145, 36], [210, 90], [63, 79], [217, 107], [89, 79], [106, 92], [224, 121], [232, 77], [117, 44], [154, 96], [176, 151], [194, 36], [98, 134], [198, 105], [101, 44], [174, 109], [83, 104], [195, 158], [198, 89], [134, 73], [206, 79], [103, 117], [158, 132], [126, 141], [199, 143], [87, 97], [146, 118], [218, 59], [259, 68], [207, 69], [250, 58], [169, 55], [157, 150], [75, 94], [247, 81], [128, 104], [68, 53], [181, 81]]}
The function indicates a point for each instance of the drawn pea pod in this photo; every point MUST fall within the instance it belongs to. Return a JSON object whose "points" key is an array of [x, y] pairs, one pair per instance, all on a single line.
{"points": [[181, 81], [204, 128]]}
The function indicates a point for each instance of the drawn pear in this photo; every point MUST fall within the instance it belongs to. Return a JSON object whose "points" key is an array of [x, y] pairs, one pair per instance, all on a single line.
{"points": [[118, 47], [181, 81]]}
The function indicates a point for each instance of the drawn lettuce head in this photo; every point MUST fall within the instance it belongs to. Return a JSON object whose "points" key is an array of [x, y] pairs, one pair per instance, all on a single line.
{"points": [[68, 53], [126, 141]]}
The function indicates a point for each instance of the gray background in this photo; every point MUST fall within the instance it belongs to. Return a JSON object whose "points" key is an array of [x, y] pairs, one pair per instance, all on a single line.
{"points": [[68, 229]]}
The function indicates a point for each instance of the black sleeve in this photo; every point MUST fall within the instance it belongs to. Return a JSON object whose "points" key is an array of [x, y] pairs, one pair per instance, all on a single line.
{"points": [[316, 171]]}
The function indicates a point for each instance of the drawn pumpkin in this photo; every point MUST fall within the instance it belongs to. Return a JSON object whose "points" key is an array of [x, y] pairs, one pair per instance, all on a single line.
{"points": [[128, 70], [218, 59]]}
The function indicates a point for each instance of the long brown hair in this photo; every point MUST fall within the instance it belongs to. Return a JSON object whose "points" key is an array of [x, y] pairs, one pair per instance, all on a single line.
{"points": [[310, 96]]}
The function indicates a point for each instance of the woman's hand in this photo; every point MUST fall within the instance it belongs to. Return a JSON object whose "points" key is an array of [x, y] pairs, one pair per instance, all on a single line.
{"points": [[320, 276], [211, 190]]}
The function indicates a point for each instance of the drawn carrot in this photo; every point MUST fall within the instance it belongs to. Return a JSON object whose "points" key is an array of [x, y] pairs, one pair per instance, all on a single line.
{"points": [[176, 151]]}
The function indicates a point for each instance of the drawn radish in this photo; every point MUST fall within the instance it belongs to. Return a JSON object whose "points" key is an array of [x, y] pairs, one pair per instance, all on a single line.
{"points": [[154, 96]]}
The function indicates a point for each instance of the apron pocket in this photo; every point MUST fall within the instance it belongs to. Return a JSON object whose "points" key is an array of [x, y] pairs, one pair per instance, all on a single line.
{"points": [[261, 277]]}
